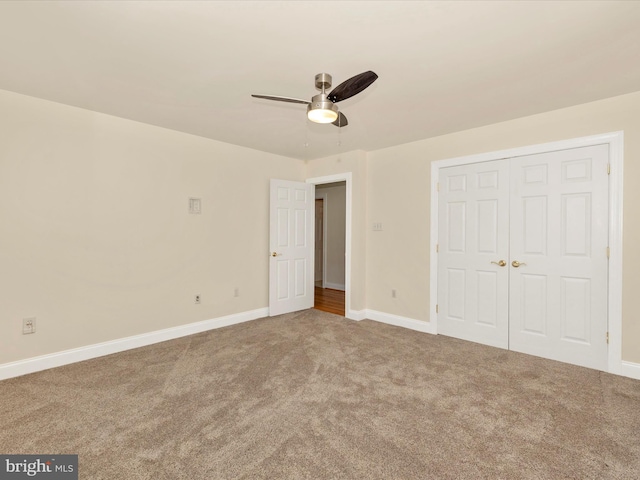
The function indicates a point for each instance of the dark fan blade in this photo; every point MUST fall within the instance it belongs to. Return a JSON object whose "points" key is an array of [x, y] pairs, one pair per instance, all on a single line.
{"points": [[341, 121], [351, 87], [281, 99]]}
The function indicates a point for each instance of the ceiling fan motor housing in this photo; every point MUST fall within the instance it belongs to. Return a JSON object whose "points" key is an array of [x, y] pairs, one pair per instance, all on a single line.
{"points": [[323, 81]]}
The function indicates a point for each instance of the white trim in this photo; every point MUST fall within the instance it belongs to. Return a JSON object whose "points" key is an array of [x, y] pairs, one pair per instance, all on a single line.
{"points": [[347, 178], [334, 286], [45, 362], [616, 183], [615, 140], [398, 321], [433, 254], [629, 369], [358, 315]]}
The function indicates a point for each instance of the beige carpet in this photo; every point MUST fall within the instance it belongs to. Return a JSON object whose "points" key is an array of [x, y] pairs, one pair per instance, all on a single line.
{"points": [[312, 395]]}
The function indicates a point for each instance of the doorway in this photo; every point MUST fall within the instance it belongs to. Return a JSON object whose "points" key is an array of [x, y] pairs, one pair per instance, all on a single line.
{"points": [[291, 266], [330, 247]]}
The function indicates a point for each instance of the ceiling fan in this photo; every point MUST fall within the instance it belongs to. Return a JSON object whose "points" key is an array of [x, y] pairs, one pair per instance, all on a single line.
{"points": [[322, 108]]}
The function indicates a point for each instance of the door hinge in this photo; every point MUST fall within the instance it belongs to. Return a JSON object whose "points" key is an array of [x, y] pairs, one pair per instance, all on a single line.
{"points": [[436, 308], [608, 169], [437, 186], [608, 253], [437, 248], [607, 338]]}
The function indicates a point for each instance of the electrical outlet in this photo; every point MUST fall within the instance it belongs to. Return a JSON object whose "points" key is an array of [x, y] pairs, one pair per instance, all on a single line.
{"points": [[197, 299], [28, 326], [393, 293], [377, 227], [236, 292]]}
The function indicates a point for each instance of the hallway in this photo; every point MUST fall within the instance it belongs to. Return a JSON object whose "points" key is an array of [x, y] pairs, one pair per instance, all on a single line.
{"points": [[329, 300]]}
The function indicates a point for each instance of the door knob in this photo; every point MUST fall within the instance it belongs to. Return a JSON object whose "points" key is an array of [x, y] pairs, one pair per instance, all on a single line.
{"points": [[516, 263], [500, 263], [274, 254]]}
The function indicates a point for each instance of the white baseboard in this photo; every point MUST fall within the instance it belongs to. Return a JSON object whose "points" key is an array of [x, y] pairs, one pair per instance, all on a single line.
{"points": [[627, 369], [630, 369], [356, 315], [45, 362], [399, 321], [334, 286]]}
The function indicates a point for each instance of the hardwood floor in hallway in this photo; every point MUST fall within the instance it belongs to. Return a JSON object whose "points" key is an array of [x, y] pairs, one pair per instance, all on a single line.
{"points": [[329, 300]]}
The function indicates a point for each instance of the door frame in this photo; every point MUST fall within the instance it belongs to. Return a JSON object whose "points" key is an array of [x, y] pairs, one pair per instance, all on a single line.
{"points": [[343, 177], [615, 140]]}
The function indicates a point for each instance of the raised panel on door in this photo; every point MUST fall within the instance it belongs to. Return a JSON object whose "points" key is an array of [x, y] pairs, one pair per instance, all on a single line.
{"points": [[559, 218], [473, 229], [282, 280], [292, 243]]}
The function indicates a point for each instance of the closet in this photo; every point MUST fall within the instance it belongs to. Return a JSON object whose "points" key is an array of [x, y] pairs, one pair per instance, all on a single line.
{"points": [[523, 254]]}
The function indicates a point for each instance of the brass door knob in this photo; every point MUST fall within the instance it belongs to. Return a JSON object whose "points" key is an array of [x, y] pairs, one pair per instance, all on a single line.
{"points": [[500, 263], [274, 254], [516, 263]]}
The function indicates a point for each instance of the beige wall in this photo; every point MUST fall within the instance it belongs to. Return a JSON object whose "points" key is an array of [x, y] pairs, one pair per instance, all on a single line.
{"points": [[335, 232], [96, 242], [398, 195], [95, 238]]}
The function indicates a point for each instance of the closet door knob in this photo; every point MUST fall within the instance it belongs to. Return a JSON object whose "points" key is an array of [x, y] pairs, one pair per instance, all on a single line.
{"points": [[516, 263], [500, 263]]}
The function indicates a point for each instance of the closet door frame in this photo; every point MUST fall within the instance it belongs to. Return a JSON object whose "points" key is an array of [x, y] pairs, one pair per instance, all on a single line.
{"points": [[615, 141]]}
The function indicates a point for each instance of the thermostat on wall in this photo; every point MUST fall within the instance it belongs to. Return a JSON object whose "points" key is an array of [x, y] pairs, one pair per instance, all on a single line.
{"points": [[195, 205]]}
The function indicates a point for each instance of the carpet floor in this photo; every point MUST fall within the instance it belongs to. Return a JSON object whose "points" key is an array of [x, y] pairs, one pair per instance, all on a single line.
{"points": [[310, 395]]}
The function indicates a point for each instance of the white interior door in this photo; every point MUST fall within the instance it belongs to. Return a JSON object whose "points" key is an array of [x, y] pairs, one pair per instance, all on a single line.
{"points": [[546, 216], [473, 252], [291, 240], [559, 234]]}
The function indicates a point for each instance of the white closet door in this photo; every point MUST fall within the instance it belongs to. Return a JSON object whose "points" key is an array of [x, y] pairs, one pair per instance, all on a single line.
{"points": [[474, 239], [559, 231]]}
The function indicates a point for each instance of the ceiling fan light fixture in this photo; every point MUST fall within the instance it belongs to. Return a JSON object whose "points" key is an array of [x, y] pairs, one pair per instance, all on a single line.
{"points": [[322, 108], [322, 112]]}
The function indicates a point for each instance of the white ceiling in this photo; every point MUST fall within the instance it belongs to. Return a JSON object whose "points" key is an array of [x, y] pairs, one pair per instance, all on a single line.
{"points": [[443, 66]]}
